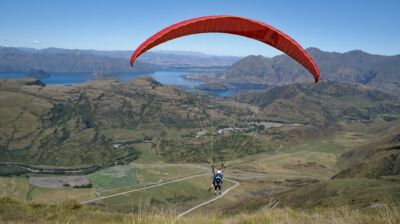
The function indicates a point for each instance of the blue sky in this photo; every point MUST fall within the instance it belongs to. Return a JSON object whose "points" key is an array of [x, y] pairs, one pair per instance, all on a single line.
{"points": [[369, 25]]}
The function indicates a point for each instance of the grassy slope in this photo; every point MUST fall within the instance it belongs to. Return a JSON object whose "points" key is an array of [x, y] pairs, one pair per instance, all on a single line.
{"points": [[323, 104], [375, 159], [364, 156], [356, 192], [15, 212]]}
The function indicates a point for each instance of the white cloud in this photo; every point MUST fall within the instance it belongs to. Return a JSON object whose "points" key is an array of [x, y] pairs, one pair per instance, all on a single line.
{"points": [[37, 42]]}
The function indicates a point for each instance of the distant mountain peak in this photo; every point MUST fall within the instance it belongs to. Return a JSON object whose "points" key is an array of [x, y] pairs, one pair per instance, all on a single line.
{"points": [[313, 49], [357, 52], [253, 59]]}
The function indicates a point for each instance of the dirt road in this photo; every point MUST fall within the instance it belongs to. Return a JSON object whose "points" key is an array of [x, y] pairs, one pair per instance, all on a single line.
{"points": [[209, 201]]}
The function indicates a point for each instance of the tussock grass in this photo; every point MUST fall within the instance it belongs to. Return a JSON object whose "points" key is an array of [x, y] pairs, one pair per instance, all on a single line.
{"points": [[338, 215], [71, 212]]}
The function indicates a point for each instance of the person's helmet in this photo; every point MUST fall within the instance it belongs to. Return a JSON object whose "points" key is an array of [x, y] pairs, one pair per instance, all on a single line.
{"points": [[219, 171]]}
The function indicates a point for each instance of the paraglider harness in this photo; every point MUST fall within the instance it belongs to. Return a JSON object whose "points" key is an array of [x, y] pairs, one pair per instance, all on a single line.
{"points": [[217, 178]]}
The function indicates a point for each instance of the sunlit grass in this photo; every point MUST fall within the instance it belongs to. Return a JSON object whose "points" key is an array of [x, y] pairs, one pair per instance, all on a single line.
{"points": [[71, 212]]}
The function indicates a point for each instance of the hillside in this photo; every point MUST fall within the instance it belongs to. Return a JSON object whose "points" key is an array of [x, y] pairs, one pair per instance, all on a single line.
{"points": [[382, 72], [368, 178], [79, 125], [323, 104], [378, 159]]}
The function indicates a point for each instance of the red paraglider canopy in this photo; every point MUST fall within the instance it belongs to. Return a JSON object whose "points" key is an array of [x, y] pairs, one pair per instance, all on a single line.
{"points": [[233, 25]]}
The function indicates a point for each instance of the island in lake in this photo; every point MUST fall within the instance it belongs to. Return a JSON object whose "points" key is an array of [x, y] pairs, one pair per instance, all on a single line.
{"points": [[200, 77], [214, 86]]}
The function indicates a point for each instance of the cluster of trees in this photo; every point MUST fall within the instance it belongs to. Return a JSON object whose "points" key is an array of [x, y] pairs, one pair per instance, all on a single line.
{"points": [[89, 185]]}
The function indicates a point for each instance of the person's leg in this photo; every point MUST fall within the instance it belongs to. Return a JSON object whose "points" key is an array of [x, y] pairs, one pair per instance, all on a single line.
{"points": [[211, 186], [215, 189], [219, 189]]}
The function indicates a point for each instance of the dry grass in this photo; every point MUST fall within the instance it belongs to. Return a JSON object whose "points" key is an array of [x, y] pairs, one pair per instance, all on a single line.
{"points": [[71, 212], [340, 215]]}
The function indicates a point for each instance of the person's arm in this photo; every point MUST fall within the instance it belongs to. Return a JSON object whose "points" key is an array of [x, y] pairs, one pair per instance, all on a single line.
{"points": [[212, 169]]}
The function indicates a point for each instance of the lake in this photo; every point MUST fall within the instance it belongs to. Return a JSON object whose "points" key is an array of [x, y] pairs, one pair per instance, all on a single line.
{"points": [[164, 77], [68, 78]]}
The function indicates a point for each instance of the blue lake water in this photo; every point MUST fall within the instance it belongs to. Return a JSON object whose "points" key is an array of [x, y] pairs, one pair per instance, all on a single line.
{"points": [[165, 77]]}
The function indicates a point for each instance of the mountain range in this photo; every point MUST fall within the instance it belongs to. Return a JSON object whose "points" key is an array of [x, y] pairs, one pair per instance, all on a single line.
{"points": [[382, 72], [378, 71], [67, 60], [51, 60]]}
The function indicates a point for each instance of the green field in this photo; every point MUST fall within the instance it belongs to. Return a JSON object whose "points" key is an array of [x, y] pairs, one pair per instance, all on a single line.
{"points": [[175, 197], [121, 178], [147, 154], [114, 177]]}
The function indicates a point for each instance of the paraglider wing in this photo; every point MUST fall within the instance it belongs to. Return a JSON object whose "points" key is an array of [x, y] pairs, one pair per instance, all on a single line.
{"points": [[233, 25]]}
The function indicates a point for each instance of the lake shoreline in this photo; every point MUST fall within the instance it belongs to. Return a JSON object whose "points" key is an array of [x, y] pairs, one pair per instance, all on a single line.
{"points": [[166, 77]]}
